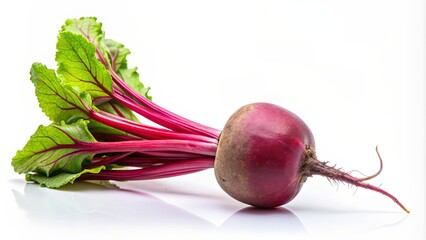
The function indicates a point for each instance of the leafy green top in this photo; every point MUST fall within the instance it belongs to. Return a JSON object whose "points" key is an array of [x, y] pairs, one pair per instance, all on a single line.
{"points": [[79, 67], [60, 102], [55, 148], [57, 152], [112, 54], [84, 84]]}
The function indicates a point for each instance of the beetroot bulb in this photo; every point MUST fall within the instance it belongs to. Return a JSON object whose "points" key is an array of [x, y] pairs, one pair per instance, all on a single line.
{"points": [[266, 153]]}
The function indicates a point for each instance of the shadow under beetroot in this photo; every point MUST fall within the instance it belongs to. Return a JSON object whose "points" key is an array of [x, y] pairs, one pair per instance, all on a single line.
{"points": [[272, 221]]}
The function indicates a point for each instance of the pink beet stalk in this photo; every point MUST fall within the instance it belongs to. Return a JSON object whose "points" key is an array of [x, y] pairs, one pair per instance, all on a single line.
{"points": [[150, 110], [161, 171], [180, 122]]}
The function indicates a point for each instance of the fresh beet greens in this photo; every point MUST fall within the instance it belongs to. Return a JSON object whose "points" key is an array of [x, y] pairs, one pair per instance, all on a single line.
{"points": [[262, 157], [90, 99]]}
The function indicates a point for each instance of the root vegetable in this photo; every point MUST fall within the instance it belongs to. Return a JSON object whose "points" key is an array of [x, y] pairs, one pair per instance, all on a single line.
{"points": [[262, 156]]}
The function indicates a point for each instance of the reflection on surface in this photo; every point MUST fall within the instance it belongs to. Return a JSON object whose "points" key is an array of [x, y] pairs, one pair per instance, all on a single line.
{"points": [[88, 203], [274, 221], [85, 205]]}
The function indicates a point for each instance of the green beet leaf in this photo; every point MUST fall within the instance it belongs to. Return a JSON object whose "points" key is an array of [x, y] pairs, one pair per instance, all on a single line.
{"points": [[78, 65], [116, 108], [117, 53], [55, 148], [60, 179], [60, 102], [131, 77], [89, 27], [113, 54]]}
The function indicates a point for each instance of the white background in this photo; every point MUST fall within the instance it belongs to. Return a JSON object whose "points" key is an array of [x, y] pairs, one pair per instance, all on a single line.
{"points": [[353, 70]]}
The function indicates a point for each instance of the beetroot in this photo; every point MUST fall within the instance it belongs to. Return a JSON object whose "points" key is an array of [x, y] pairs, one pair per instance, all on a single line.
{"points": [[266, 153], [260, 154]]}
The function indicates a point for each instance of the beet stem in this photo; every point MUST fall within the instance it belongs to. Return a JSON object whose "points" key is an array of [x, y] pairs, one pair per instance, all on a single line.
{"points": [[96, 162], [143, 131], [165, 170], [165, 115], [146, 146]]}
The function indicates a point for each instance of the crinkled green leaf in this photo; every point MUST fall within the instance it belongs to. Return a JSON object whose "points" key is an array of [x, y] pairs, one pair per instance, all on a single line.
{"points": [[60, 179], [78, 65], [55, 148], [113, 54], [58, 101], [131, 77], [117, 53], [116, 108], [89, 27]]}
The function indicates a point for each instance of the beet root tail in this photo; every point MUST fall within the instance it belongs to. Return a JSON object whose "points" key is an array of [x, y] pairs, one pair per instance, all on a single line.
{"points": [[312, 166]]}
